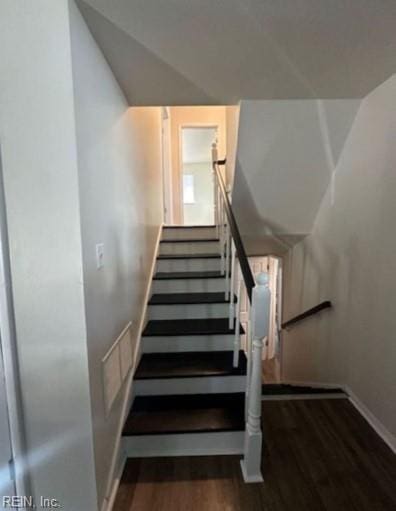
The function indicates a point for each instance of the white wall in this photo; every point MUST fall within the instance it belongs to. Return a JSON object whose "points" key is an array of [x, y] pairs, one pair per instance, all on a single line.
{"points": [[350, 259], [232, 124], [37, 135], [287, 151], [190, 116], [119, 160]]}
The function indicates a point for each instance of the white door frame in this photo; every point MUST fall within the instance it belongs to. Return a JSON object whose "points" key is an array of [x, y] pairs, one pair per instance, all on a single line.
{"points": [[9, 356], [180, 163], [166, 150]]}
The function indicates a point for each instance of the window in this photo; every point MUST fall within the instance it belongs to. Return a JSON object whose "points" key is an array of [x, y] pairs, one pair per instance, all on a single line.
{"points": [[188, 189]]}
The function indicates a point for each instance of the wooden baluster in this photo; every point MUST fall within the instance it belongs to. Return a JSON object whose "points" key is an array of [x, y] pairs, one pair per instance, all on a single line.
{"points": [[251, 463]]}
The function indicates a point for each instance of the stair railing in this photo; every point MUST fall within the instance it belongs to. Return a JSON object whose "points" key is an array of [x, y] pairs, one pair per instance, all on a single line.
{"points": [[233, 254]]}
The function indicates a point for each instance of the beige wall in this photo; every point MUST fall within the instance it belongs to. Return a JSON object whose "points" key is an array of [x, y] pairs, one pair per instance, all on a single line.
{"points": [[120, 185], [350, 259], [190, 116]]}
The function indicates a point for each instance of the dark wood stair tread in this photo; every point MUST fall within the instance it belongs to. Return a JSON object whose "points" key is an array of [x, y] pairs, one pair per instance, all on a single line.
{"points": [[189, 256], [165, 327], [189, 365], [212, 226], [196, 413], [189, 240], [188, 298], [171, 275], [280, 389]]}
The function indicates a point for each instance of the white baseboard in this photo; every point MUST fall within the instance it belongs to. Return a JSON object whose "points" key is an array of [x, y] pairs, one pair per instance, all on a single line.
{"points": [[376, 424], [304, 397], [108, 503], [127, 398], [313, 384]]}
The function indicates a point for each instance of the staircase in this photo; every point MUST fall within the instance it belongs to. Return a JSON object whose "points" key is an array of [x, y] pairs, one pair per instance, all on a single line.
{"points": [[189, 399], [195, 390]]}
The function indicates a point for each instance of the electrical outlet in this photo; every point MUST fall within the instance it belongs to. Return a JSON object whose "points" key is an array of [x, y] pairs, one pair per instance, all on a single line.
{"points": [[99, 256]]}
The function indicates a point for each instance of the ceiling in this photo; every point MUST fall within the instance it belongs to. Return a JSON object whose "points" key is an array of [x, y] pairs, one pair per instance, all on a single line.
{"points": [[188, 52]]}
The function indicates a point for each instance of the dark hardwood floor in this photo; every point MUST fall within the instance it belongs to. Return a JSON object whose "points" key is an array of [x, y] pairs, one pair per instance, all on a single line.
{"points": [[319, 455]]}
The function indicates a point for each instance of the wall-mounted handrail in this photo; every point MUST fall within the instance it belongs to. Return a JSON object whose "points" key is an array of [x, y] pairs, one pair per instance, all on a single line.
{"points": [[236, 236], [304, 315]]}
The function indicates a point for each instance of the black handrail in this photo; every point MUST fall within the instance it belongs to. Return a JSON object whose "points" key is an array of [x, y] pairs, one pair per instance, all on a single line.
{"points": [[310, 312], [240, 249]]}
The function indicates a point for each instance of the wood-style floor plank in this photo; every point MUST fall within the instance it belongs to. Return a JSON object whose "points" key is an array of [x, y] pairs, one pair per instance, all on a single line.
{"points": [[319, 455]]}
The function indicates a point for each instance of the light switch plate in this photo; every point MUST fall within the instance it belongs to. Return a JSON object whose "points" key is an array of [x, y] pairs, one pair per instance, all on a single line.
{"points": [[99, 256]]}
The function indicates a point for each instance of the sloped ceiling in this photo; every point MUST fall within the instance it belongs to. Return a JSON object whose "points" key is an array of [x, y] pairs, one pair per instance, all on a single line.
{"points": [[179, 52], [287, 154]]}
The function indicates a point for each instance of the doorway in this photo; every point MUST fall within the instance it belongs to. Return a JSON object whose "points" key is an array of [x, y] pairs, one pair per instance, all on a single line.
{"points": [[197, 185]]}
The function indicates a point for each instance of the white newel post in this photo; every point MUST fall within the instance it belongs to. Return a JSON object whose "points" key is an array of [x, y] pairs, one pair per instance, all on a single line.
{"points": [[251, 463]]}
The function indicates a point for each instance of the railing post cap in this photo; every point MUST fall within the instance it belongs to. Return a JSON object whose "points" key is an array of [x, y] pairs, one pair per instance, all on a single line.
{"points": [[263, 279]]}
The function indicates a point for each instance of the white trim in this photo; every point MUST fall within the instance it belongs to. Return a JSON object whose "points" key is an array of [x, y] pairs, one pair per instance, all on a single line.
{"points": [[375, 423], [166, 155], [258, 478], [197, 385], [301, 397], [108, 503], [128, 385], [314, 384], [184, 444], [9, 354]]}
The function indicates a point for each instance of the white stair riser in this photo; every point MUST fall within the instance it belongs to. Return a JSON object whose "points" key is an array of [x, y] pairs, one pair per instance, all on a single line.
{"points": [[201, 385], [184, 444], [188, 285], [183, 343], [190, 311], [189, 233], [190, 247], [171, 265]]}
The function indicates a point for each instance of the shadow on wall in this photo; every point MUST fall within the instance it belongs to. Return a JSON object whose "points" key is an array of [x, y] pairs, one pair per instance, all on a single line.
{"points": [[322, 338], [260, 235]]}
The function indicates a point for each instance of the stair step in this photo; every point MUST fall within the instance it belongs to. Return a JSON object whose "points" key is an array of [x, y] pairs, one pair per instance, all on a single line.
{"points": [[193, 231], [189, 240], [212, 255], [211, 226], [189, 246], [188, 298], [199, 413], [189, 365], [175, 275], [283, 389], [180, 327]]}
